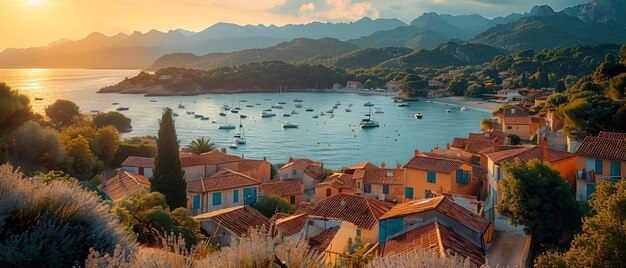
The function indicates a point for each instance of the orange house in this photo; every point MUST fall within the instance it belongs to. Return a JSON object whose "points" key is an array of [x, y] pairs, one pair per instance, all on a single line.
{"points": [[425, 174], [335, 184]]}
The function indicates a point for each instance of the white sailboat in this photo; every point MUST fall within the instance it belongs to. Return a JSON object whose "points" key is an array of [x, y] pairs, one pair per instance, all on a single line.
{"points": [[369, 121]]}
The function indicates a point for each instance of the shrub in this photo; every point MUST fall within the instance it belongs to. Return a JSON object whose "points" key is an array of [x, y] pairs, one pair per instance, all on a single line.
{"points": [[269, 205], [125, 149], [62, 112], [116, 119], [54, 223], [422, 259], [38, 145]]}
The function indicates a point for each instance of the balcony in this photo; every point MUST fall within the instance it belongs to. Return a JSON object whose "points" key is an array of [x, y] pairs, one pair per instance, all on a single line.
{"points": [[591, 176]]}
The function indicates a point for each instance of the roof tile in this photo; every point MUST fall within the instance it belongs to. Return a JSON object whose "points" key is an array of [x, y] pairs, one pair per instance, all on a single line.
{"points": [[359, 210], [223, 179], [119, 187], [434, 164], [282, 188], [238, 219], [603, 147]]}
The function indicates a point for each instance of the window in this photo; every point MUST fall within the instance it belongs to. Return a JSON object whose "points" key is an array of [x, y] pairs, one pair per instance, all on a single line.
{"points": [[217, 199], [598, 169], [431, 177], [358, 184], [367, 188], [616, 169], [408, 193], [385, 189], [426, 193], [294, 172], [235, 196], [358, 232], [509, 127], [196, 202], [292, 199], [462, 176], [328, 192], [591, 188]]}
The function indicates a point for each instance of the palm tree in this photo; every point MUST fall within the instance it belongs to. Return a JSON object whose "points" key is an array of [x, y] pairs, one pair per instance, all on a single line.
{"points": [[201, 145], [486, 124]]}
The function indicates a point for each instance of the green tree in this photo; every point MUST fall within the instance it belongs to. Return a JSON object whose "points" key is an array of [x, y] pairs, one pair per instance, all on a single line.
{"points": [[39, 145], [14, 109], [560, 87], [619, 119], [536, 196], [168, 174], [107, 140], [475, 91], [588, 113], [556, 100], [486, 124], [62, 112], [116, 119], [79, 159], [617, 86], [515, 140], [270, 205], [414, 85], [602, 242], [57, 175], [622, 54], [457, 86], [201, 145], [149, 218]]}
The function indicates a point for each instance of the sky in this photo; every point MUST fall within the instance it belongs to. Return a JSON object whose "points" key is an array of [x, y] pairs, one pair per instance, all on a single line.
{"points": [[28, 23]]}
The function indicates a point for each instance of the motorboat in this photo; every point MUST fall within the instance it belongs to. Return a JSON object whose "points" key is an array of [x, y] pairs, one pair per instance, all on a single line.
{"points": [[234, 111], [243, 100], [309, 109], [267, 114], [368, 104], [337, 103], [38, 98], [368, 122], [418, 115], [204, 118], [298, 105], [175, 114], [153, 101], [249, 105], [115, 103], [190, 112], [286, 115], [448, 110], [403, 104], [335, 106], [122, 109], [294, 112], [286, 124], [197, 115], [222, 114], [348, 110], [322, 113], [267, 110], [243, 116], [268, 99], [297, 100], [226, 126], [316, 116], [282, 102], [379, 111], [330, 111], [277, 106], [463, 108], [226, 107], [233, 146]]}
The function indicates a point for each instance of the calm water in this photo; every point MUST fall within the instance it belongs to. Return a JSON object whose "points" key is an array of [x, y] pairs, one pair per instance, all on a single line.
{"points": [[335, 141]]}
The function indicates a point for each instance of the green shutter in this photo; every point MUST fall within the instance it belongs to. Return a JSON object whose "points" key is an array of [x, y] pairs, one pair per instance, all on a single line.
{"points": [[217, 199], [235, 196], [616, 169], [598, 166], [408, 193]]}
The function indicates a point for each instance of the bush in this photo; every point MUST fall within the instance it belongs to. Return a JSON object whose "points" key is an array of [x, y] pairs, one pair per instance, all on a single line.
{"points": [[38, 145], [126, 149], [62, 112], [116, 119], [53, 224], [270, 205]]}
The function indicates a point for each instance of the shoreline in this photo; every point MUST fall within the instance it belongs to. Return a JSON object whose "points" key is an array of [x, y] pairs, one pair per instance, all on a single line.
{"points": [[477, 104]]}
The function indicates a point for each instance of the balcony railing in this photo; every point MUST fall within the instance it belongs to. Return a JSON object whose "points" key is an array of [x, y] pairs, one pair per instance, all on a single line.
{"points": [[585, 175]]}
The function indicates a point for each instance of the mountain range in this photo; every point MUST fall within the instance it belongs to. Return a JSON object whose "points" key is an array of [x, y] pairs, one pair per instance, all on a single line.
{"points": [[223, 44]]}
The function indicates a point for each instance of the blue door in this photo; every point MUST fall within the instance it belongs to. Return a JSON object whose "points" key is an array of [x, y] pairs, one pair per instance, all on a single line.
{"points": [[249, 195], [591, 188]]}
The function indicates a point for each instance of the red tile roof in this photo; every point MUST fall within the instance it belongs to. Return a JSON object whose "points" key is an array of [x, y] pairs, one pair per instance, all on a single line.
{"points": [[119, 187], [292, 224], [210, 158], [475, 146], [434, 164], [603, 147], [339, 180], [323, 239], [359, 210], [476, 136], [516, 120], [250, 164], [282, 188], [612, 135], [442, 204], [380, 176], [501, 135], [136, 161], [309, 167], [528, 152], [363, 165], [435, 237], [459, 142], [223, 179], [238, 220]]}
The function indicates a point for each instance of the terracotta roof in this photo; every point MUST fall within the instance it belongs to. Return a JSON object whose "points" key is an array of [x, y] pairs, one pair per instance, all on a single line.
{"points": [[363, 165], [434, 164], [359, 210], [323, 239], [442, 204], [612, 135], [120, 186], [239, 219], [476, 136], [311, 168], [211, 158], [136, 161], [450, 154], [498, 134], [475, 146], [380, 176], [517, 120], [223, 179], [304, 208], [435, 237], [282, 188], [292, 224], [603, 147], [459, 142], [250, 164], [279, 215], [339, 180], [528, 152]]}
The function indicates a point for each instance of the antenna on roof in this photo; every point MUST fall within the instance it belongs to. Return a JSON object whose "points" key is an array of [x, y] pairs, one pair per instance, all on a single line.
{"points": [[342, 204]]}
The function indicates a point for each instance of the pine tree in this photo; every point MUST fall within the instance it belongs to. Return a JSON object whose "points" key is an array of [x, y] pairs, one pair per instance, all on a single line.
{"points": [[168, 174], [560, 87]]}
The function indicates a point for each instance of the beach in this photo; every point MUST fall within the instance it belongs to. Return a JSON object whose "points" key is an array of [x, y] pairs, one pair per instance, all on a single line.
{"points": [[468, 102]]}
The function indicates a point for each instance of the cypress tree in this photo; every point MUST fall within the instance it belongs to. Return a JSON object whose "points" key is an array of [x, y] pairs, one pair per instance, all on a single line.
{"points": [[168, 174]]}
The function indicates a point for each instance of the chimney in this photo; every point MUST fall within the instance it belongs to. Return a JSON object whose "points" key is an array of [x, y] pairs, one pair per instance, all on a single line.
{"points": [[436, 147], [398, 166], [496, 145], [290, 159], [223, 150], [543, 142], [417, 152], [120, 171], [382, 165], [447, 146]]}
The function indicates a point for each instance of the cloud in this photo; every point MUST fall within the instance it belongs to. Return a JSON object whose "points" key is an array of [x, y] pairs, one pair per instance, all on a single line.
{"points": [[248, 5], [307, 7], [328, 10]]}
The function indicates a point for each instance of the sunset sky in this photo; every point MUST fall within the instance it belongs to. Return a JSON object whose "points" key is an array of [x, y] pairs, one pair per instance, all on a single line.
{"points": [[26, 23]]}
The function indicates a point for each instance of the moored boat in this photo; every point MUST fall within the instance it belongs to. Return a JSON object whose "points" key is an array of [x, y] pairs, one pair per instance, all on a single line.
{"points": [[309, 110], [418, 115], [122, 109], [286, 124], [226, 126]]}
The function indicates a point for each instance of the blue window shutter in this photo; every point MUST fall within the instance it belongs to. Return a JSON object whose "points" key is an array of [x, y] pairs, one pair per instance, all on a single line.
{"points": [[358, 232], [235, 196], [459, 175], [431, 177], [408, 193], [591, 188], [616, 168], [598, 166], [426, 193], [367, 188], [385, 189], [217, 199], [196, 202]]}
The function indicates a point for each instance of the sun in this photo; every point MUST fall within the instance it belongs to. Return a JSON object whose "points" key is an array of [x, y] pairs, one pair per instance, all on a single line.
{"points": [[35, 2]]}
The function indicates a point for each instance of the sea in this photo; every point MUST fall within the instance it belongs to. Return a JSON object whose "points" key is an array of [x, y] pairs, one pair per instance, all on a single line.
{"points": [[336, 140]]}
